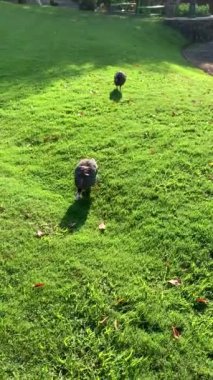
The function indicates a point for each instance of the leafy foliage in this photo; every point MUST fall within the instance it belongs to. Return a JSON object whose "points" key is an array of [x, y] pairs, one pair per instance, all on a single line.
{"points": [[183, 9]]}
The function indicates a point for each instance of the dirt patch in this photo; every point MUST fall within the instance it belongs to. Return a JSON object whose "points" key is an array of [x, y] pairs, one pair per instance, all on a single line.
{"points": [[201, 55]]}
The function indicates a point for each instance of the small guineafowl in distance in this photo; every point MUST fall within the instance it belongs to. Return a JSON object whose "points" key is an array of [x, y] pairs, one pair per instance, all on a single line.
{"points": [[85, 175], [119, 79]]}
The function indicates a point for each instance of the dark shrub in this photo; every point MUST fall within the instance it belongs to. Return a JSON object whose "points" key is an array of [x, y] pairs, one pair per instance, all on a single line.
{"points": [[53, 3], [87, 5]]}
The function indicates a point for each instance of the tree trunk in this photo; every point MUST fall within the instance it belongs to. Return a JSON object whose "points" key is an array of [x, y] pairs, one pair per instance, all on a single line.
{"points": [[192, 7], [211, 6]]}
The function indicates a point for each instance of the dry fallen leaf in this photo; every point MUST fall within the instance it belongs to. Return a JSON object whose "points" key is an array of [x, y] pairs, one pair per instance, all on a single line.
{"points": [[175, 281], [120, 301], [103, 321], [152, 151], [116, 324], [40, 233], [38, 285], [175, 332], [102, 226], [202, 300], [27, 215]]}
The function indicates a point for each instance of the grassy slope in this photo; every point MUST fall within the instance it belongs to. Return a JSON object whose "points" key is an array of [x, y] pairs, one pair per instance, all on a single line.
{"points": [[154, 194]]}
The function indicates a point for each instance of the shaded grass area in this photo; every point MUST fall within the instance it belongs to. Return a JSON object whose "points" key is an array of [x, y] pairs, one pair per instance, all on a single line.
{"points": [[106, 310]]}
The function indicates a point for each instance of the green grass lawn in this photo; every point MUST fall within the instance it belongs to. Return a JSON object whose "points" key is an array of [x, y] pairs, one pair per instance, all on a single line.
{"points": [[106, 310]]}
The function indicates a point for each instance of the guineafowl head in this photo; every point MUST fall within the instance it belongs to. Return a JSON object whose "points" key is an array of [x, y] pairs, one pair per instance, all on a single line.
{"points": [[85, 174]]}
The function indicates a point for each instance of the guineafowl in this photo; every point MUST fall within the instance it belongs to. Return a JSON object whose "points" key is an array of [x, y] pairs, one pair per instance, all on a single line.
{"points": [[85, 175], [119, 79]]}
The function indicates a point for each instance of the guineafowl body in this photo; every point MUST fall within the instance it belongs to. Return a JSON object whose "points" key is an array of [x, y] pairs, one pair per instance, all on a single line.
{"points": [[85, 175], [119, 79]]}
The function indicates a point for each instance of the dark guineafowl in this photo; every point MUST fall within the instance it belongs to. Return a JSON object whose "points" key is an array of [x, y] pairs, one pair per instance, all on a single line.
{"points": [[119, 79], [85, 175]]}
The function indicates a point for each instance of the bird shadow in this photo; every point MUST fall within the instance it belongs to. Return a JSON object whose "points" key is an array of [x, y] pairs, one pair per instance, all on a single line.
{"points": [[115, 95], [76, 215]]}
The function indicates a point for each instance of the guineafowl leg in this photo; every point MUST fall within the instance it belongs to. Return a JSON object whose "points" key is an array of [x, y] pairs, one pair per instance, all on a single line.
{"points": [[87, 192], [78, 194]]}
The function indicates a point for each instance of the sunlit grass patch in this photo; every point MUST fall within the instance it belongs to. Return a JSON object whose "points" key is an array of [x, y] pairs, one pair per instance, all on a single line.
{"points": [[106, 309]]}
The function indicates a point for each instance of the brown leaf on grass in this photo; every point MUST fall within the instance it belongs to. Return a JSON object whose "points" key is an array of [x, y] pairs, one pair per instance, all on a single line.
{"points": [[27, 215], [152, 151], [202, 300], [116, 324], [39, 233], [103, 321], [120, 301], [52, 138], [38, 285], [175, 281], [175, 332], [102, 226]]}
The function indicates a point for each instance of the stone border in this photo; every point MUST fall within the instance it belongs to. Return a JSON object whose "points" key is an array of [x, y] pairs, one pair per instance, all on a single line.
{"points": [[201, 56]]}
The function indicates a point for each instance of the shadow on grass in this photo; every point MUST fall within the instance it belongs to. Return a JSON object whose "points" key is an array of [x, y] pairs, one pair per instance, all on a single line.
{"points": [[200, 307], [115, 95], [76, 215]]}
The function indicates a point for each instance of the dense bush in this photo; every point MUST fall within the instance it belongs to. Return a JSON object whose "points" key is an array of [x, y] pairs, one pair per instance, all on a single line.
{"points": [[183, 10], [87, 5], [202, 10]]}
